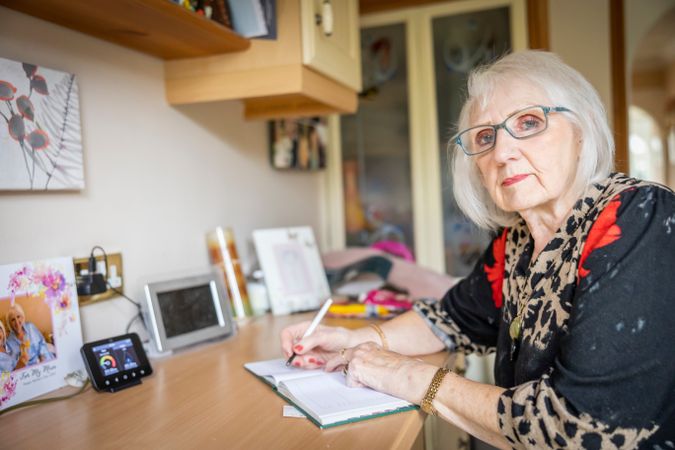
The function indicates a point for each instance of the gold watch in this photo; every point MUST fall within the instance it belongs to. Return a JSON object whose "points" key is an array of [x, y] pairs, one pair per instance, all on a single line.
{"points": [[436, 381]]}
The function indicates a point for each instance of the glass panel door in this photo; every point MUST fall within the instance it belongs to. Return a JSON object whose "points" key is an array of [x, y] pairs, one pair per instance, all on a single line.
{"points": [[376, 146], [394, 179], [462, 42]]}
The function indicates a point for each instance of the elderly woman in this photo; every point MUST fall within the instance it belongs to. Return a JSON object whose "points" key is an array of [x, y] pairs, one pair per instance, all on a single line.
{"points": [[7, 363], [575, 294], [25, 343]]}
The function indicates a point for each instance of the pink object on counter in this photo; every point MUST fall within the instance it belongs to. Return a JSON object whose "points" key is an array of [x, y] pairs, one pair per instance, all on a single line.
{"points": [[395, 248], [389, 299], [418, 280]]}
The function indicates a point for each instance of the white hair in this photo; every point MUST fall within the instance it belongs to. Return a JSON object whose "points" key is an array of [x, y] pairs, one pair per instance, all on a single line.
{"points": [[564, 86], [11, 312]]}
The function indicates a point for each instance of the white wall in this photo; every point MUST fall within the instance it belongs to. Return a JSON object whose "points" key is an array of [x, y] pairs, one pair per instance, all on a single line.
{"points": [[157, 177], [580, 34], [640, 16]]}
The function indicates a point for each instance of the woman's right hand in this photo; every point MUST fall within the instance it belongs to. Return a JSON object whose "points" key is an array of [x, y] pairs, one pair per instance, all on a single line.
{"points": [[313, 351]]}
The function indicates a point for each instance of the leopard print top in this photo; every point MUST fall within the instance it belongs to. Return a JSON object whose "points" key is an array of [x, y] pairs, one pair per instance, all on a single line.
{"points": [[590, 369]]}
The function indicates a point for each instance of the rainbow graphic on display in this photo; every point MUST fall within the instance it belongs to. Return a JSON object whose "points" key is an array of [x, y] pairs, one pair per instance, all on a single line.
{"points": [[107, 362]]}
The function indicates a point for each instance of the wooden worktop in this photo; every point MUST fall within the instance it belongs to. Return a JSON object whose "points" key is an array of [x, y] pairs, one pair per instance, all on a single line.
{"points": [[202, 398]]}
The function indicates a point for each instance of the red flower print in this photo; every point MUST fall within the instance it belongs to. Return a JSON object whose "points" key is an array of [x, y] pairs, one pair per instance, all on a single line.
{"points": [[30, 69], [17, 128], [603, 232], [25, 107], [7, 90], [39, 84], [38, 139], [495, 274]]}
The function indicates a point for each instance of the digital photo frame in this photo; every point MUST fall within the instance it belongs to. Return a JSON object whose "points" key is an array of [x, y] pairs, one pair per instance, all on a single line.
{"points": [[186, 311]]}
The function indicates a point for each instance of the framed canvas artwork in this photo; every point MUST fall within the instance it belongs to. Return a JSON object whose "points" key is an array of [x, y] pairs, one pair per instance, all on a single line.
{"points": [[40, 136]]}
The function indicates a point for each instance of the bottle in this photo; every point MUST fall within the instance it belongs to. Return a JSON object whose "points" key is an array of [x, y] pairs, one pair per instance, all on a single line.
{"points": [[223, 253], [257, 291]]}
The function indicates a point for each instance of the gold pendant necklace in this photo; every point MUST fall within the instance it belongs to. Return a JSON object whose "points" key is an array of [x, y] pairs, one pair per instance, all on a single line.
{"points": [[523, 297], [515, 327]]}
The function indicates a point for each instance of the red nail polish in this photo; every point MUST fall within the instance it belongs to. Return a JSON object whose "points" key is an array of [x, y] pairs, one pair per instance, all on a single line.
{"points": [[296, 364], [298, 348], [312, 360], [321, 363]]}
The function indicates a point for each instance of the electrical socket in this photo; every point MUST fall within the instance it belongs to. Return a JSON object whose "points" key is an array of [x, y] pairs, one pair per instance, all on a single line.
{"points": [[114, 276]]}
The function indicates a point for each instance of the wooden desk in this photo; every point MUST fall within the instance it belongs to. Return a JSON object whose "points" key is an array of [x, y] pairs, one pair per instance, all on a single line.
{"points": [[202, 398]]}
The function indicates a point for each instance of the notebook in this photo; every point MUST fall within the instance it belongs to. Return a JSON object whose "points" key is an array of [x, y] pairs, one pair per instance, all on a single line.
{"points": [[323, 396]]}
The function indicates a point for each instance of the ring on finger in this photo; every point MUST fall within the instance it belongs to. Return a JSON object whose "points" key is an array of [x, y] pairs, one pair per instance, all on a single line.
{"points": [[342, 354]]}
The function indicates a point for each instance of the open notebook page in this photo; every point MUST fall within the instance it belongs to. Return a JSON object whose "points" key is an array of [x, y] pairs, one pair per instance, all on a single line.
{"points": [[276, 371], [329, 399]]}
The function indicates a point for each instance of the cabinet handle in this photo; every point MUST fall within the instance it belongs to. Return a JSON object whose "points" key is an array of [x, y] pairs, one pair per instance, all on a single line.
{"points": [[325, 18]]}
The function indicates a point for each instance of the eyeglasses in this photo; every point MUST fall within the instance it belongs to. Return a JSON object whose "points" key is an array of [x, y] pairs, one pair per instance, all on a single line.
{"points": [[522, 124]]}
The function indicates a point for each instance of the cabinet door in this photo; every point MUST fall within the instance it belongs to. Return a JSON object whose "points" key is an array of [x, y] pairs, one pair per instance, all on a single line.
{"points": [[332, 50], [461, 42]]}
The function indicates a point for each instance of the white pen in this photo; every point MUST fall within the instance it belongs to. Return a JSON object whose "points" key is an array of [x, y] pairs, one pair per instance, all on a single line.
{"points": [[312, 326]]}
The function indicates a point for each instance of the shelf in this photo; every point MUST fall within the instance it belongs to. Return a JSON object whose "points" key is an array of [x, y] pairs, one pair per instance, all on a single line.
{"points": [[156, 27], [280, 91]]}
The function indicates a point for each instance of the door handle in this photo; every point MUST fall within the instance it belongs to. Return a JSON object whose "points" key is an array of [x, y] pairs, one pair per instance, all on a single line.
{"points": [[325, 18]]}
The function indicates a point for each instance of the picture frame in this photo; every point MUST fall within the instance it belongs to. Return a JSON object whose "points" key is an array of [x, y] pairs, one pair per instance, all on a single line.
{"points": [[40, 333], [298, 144], [188, 310], [294, 274]]}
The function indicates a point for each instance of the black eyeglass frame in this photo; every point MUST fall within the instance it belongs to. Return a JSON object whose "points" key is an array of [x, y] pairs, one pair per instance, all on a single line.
{"points": [[546, 109]]}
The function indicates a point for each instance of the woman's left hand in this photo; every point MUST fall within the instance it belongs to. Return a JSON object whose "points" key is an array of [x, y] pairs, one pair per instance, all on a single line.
{"points": [[369, 365], [23, 358]]}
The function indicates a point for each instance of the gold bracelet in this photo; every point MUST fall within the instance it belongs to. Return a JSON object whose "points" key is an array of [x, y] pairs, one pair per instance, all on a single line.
{"points": [[436, 381], [383, 338]]}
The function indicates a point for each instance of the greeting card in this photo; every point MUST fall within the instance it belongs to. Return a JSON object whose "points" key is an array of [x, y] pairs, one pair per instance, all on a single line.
{"points": [[40, 333]]}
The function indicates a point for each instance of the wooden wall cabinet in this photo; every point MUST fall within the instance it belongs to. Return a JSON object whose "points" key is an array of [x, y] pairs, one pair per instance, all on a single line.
{"points": [[305, 71]]}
